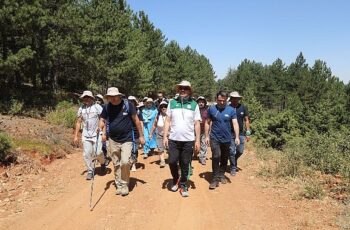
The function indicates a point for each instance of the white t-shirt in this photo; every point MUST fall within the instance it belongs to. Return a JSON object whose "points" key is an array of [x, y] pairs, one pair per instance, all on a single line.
{"points": [[182, 119], [90, 116], [160, 124]]}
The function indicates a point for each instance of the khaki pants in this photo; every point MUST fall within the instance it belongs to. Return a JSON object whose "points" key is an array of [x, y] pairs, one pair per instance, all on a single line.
{"points": [[120, 154]]}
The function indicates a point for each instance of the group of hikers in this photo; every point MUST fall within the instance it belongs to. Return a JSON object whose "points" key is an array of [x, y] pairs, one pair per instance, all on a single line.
{"points": [[183, 127]]}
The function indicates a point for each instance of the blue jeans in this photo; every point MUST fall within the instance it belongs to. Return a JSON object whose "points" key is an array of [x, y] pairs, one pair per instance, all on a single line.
{"points": [[236, 152], [220, 154]]}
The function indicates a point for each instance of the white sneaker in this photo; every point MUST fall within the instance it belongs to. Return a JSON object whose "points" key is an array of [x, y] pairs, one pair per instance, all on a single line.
{"points": [[133, 168]]}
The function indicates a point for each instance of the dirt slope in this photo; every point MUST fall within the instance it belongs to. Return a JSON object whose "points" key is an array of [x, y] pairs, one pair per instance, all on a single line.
{"points": [[59, 199]]}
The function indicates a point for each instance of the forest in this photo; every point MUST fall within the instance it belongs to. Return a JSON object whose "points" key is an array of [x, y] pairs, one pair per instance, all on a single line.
{"points": [[53, 50]]}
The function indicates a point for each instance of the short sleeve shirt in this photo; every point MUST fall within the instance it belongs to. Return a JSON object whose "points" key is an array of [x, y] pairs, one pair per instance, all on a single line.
{"points": [[90, 116], [221, 123], [119, 120], [241, 112], [183, 117]]}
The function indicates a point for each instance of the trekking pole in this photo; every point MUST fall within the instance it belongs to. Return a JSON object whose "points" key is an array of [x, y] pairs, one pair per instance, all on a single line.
{"points": [[93, 169]]}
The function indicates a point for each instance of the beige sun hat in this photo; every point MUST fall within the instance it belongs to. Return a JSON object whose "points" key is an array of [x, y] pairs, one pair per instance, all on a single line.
{"points": [[132, 98], [99, 96], [183, 83], [235, 94], [87, 93], [149, 100], [163, 103], [113, 91]]}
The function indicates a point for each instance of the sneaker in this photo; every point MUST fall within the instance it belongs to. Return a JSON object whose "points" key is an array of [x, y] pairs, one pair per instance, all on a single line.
{"points": [[145, 156], [214, 184], [184, 191], [162, 164], [89, 176], [202, 161], [133, 168], [119, 190], [125, 190], [233, 172], [103, 168], [107, 161], [223, 180], [174, 188]]}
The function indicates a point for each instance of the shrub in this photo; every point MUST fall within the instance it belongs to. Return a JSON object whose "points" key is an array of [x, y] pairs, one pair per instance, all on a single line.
{"points": [[312, 190], [5, 146], [16, 107], [64, 114]]}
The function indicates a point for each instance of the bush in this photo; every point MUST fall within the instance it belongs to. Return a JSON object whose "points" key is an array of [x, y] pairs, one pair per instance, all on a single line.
{"points": [[312, 190], [16, 107], [65, 114], [5, 146]]}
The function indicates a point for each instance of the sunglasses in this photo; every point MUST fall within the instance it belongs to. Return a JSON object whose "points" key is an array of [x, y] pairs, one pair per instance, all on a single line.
{"points": [[184, 88]]}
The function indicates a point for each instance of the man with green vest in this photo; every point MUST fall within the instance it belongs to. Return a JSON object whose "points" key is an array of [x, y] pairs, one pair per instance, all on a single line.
{"points": [[183, 122]]}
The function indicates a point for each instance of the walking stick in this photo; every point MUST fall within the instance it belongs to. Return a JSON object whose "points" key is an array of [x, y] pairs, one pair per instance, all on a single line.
{"points": [[93, 169]]}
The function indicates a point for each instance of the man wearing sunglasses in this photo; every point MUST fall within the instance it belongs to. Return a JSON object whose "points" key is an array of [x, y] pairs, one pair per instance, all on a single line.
{"points": [[183, 119]]}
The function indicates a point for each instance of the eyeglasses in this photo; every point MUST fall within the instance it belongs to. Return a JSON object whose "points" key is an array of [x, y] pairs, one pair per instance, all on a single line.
{"points": [[184, 88]]}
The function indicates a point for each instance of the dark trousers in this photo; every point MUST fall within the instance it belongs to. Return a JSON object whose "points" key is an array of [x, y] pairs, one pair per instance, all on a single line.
{"points": [[220, 154], [180, 151]]}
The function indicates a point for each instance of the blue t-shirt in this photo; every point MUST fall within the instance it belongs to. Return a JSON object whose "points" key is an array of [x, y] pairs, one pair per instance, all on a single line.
{"points": [[221, 123], [120, 121]]}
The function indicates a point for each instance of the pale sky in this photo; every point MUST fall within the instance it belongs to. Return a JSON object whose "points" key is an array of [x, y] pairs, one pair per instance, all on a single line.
{"points": [[228, 31]]}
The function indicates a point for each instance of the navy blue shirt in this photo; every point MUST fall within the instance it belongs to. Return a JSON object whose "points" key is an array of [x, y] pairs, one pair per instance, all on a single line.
{"points": [[120, 121], [221, 123], [241, 112]]}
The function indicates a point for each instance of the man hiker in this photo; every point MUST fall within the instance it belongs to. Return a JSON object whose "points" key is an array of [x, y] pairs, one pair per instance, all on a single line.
{"points": [[120, 114], [202, 103], [183, 120], [244, 134], [88, 115], [220, 117], [160, 99]]}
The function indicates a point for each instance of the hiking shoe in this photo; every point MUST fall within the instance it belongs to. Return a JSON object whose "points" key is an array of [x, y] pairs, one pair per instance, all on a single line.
{"points": [[214, 184], [125, 190], [233, 172], [184, 191], [119, 190], [162, 164], [223, 180], [103, 168], [174, 188], [89, 175], [107, 161], [133, 168]]}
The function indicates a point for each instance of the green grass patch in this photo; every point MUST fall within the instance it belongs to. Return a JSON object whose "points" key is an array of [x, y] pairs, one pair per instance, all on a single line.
{"points": [[43, 149], [5, 145]]}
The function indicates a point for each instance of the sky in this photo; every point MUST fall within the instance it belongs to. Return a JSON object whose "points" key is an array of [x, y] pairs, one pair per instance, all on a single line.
{"points": [[229, 31]]}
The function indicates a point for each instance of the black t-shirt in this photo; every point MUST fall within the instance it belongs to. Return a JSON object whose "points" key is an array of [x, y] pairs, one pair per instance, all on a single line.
{"points": [[241, 112], [120, 121]]}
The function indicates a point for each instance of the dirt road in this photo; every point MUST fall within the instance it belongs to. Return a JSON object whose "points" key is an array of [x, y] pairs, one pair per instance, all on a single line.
{"points": [[59, 199]]}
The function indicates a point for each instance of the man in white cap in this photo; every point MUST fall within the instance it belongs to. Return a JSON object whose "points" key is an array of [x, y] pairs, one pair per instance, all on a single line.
{"points": [[89, 114], [183, 119], [244, 130], [120, 114]]}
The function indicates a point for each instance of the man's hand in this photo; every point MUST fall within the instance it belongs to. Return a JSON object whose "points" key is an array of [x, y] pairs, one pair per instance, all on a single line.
{"points": [[237, 142], [75, 141], [207, 142], [197, 146], [142, 140]]}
